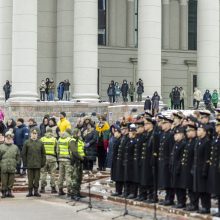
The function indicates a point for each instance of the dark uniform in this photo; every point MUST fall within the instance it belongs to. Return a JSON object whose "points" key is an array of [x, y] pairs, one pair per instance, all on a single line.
{"points": [[175, 169], [137, 165], [164, 175], [214, 170], [118, 184], [200, 171], [128, 163], [186, 177], [119, 175], [148, 170]]}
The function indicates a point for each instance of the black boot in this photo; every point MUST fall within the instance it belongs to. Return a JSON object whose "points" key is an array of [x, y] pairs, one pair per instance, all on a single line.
{"points": [[3, 194], [42, 190], [53, 189], [36, 193], [61, 192], [9, 194], [30, 193]]}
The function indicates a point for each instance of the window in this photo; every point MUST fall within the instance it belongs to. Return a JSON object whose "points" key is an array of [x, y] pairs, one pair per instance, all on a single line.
{"points": [[102, 22], [192, 32]]}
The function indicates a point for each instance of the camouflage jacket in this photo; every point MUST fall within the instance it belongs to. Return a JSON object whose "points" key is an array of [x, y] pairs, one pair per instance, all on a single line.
{"points": [[9, 157], [33, 154]]}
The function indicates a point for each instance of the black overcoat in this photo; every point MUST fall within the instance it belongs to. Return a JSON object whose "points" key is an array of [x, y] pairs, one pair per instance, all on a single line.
{"points": [[186, 176], [201, 164], [175, 163], [164, 153], [116, 145], [119, 170], [214, 168]]}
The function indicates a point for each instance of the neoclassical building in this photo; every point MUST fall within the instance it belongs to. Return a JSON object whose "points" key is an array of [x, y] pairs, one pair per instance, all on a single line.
{"points": [[91, 42]]}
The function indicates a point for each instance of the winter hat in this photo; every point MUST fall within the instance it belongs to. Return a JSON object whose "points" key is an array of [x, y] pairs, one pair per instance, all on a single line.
{"points": [[63, 113]]}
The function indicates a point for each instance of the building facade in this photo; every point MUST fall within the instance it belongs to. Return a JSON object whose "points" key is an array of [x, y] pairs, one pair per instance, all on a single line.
{"points": [[167, 43]]}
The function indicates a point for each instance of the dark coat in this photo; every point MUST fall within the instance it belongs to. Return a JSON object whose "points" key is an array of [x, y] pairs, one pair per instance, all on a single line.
{"points": [[91, 151], [147, 104], [119, 172], [2, 127], [214, 168], [186, 177], [21, 135], [137, 157], [165, 149], [176, 97], [60, 91], [124, 89], [201, 166], [33, 154], [140, 88], [112, 139], [147, 158], [111, 90], [43, 128], [128, 161], [115, 147], [175, 163], [207, 97]]}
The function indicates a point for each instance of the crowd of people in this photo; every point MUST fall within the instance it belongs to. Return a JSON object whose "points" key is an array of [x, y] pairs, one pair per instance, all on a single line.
{"points": [[39, 150], [178, 95], [115, 91], [176, 153], [47, 90]]}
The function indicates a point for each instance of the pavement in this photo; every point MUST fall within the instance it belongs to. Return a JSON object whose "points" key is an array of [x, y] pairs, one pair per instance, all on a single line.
{"points": [[56, 208]]}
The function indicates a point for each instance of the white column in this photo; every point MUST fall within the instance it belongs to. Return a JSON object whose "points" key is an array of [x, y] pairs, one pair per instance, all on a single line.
{"points": [[149, 45], [208, 45], [24, 50], [85, 50], [112, 11], [130, 23], [5, 43], [166, 24], [184, 24], [64, 67]]}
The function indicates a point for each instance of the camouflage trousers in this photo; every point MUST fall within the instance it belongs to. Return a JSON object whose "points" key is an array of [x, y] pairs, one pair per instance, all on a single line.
{"points": [[77, 177], [7, 181], [49, 168], [65, 173]]}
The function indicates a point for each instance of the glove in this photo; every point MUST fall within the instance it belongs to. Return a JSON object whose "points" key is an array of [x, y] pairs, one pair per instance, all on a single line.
{"points": [[87, 145]]}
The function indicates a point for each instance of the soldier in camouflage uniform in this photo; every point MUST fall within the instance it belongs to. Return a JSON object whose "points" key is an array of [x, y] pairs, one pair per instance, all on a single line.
{"points": [[50, 145], [9, 158], [77, 157], [65, 167]]}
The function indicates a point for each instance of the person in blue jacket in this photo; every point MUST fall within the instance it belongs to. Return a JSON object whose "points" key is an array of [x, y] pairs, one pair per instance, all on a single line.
{"points": [[60, 90], [20, 136]]}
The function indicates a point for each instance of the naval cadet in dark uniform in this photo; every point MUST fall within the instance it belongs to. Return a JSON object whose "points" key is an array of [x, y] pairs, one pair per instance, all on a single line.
{"points": [[137, 156], [214, 167], [177, 120], [148, 169], [164, 153], [175, 166], [119, 175], [200, 168], [115, 156], [130, 184], [186, 177]]}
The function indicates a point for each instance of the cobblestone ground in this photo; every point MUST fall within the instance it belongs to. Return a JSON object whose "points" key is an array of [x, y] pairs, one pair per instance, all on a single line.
{"points": [[55, 208]]}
